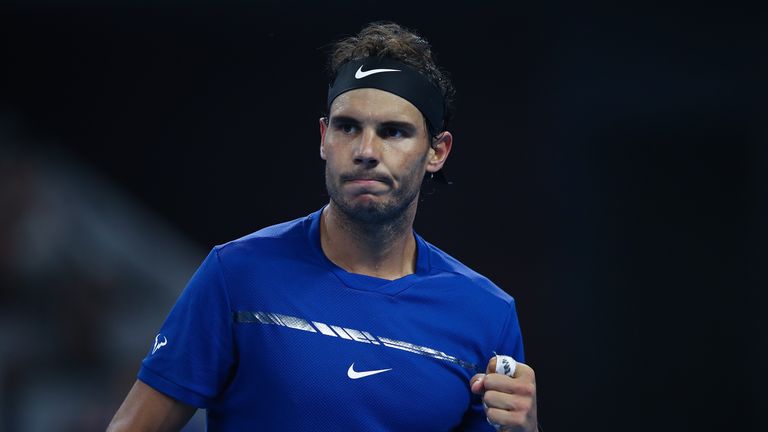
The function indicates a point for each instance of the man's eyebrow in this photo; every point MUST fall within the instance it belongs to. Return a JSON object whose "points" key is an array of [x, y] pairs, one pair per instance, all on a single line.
{"points": [[404, 126], [344, 120]]}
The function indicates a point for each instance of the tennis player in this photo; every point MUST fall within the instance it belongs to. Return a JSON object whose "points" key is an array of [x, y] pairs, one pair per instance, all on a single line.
{"points": [[346, 319]]}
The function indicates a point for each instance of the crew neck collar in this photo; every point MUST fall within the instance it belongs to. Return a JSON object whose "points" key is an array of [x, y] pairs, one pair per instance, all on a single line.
{"points": [[357, 281]]}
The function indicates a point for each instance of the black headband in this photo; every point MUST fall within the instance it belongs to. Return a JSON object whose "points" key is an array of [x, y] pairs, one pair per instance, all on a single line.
{"points": [[394, 77]]}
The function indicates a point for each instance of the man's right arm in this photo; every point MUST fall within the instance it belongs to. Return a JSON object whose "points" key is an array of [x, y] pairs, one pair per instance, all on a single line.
{"points": [[147, 410]]}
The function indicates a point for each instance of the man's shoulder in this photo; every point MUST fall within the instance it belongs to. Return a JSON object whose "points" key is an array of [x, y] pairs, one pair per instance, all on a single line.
{"points": [[442, 262], [271, 238]]}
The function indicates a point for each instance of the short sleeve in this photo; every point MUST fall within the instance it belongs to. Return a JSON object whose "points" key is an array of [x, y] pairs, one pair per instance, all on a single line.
{"points": [[192, 356], [510, 343], [511, 338]]}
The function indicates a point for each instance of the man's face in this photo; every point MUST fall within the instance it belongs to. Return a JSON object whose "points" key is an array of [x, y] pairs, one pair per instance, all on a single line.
{"points": [[377, 150]]}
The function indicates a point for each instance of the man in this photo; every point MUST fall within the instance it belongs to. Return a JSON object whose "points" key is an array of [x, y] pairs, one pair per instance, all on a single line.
{"points": [[346, 320]]}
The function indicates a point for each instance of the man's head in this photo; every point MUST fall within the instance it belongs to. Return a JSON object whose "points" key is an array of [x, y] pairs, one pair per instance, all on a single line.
{"points": [[385, 126], [391, 41]]}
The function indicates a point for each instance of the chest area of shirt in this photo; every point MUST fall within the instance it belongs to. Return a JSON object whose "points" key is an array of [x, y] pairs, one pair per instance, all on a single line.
{"points": [[379, 366]]}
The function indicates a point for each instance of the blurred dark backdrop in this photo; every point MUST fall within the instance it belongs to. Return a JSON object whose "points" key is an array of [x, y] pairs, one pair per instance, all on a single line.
{"points": [[609, 172]]}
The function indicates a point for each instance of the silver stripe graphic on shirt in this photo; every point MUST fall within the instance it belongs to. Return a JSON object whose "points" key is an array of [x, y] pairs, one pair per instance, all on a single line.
{"points": [[297, 323], [357, 335], [418, 349], [345, 333], [371, 338], [324, 329], [273, 318], [341, 332]]}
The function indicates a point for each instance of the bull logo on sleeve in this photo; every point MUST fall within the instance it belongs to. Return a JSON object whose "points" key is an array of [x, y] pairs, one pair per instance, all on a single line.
{"points": [[158, 343]]}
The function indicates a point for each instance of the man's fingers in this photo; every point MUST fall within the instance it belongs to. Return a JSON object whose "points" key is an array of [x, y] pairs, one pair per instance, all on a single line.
{"points": [[509, 394], [524, 371], [500, 417], [506, 365], [476, 384], [502, 364], [519, 386], [522, 382], [494, 399], [509, 420]]}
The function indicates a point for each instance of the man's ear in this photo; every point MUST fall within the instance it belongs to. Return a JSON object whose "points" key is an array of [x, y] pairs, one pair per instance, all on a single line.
{"points": [[323, 129], [441, 147]]}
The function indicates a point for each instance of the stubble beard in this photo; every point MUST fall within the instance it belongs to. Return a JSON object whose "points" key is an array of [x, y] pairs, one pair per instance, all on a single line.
{"points": [[388, 214]]}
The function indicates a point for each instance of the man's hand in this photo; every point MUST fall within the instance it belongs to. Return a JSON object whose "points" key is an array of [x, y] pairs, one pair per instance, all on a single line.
{"points": [[510, 401]]}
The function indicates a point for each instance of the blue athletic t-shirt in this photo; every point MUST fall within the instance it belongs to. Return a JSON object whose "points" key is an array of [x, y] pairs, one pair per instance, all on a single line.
{"points": [[271, 335]]}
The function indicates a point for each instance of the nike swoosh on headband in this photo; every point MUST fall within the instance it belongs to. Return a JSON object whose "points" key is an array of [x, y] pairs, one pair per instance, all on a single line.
{"points": [[352, 373], [360, 74]]}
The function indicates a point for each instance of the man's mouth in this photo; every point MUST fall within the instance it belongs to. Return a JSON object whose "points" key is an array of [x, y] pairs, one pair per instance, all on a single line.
{"points": [[366, 180]]}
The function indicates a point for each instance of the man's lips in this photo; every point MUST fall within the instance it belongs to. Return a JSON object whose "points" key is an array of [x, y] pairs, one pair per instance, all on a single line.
{"points": [[365, 180]]}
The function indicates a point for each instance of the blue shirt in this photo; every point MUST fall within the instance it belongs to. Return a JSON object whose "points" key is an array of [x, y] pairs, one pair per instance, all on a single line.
{"points": [[271, 335]]}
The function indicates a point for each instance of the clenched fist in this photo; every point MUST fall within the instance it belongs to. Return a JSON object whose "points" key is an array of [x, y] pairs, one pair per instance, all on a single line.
{"points": [[509, 394]]}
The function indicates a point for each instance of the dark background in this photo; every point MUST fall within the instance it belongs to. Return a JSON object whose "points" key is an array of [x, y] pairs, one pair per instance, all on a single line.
{"points": [[609, 169]]}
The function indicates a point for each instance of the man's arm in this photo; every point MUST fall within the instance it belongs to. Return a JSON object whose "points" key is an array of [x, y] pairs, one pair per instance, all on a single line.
{"points": [[147, 410]]}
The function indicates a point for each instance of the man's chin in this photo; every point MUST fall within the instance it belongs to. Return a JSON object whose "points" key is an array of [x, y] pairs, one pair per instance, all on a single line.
{"points": [[366, 210]]}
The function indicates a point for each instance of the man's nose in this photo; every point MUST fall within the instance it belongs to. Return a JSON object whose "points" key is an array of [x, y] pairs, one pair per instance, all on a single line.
{"points": [[368, 147]]}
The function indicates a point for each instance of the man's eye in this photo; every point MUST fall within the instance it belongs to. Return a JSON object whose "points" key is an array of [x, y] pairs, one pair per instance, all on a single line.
{"points": [[347, 128], [393, 132]]}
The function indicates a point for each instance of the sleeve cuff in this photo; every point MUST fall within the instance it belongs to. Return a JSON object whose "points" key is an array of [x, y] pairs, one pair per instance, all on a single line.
{"points": [[171, 389]]}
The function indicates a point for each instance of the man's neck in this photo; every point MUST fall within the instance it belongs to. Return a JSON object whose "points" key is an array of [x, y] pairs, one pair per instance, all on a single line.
{"points": [[386, 251]]}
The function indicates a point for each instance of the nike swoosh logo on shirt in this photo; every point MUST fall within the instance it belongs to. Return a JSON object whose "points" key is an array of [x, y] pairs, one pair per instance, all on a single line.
{"points": [[360, 74], [353, 374]]}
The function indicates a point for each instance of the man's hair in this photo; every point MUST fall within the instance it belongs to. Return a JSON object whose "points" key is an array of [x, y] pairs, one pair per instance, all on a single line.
{"points": [[390, 40]]}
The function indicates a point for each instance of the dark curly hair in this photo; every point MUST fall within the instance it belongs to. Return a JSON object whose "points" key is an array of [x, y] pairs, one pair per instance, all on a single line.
{"points": [[387, 39]]}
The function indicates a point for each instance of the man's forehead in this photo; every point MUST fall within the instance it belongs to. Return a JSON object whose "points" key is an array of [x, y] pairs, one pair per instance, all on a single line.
{"points": [[375, 103]]}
